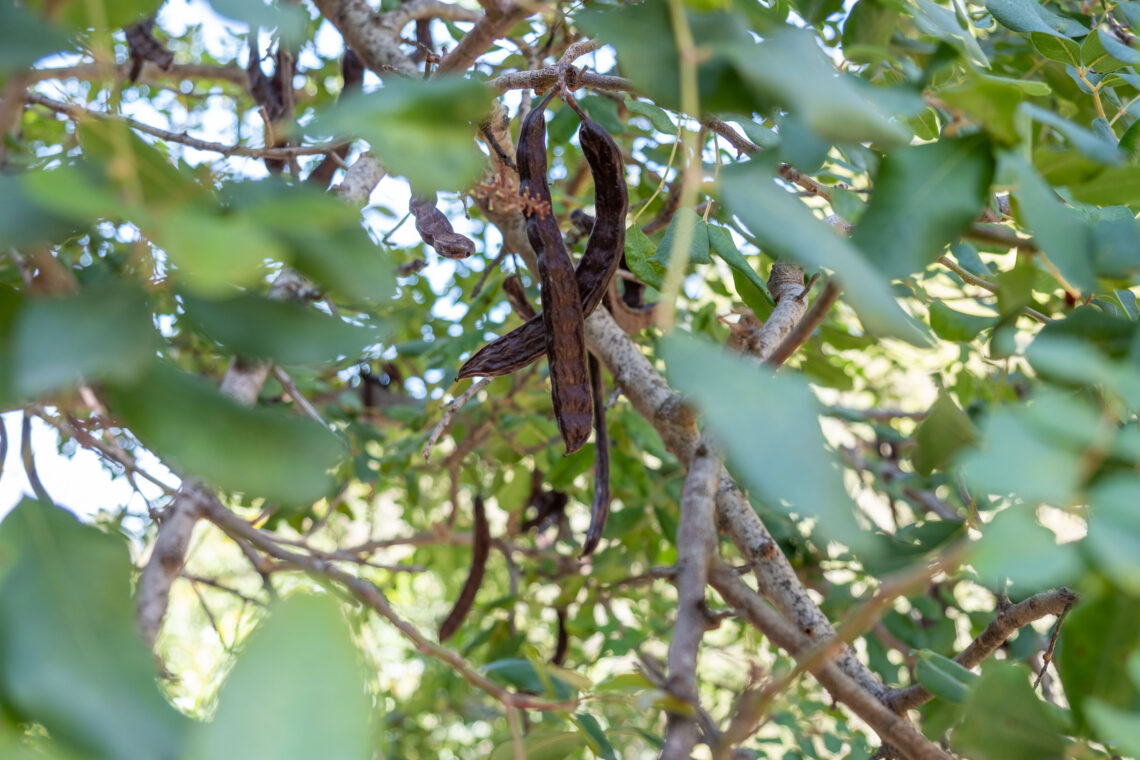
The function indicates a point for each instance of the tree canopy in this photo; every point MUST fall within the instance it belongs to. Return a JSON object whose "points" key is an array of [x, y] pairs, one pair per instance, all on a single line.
{"points": [[825, 444]]}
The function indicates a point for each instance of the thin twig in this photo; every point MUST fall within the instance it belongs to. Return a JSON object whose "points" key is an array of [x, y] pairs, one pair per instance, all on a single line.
{"points": [[298, 397], [29, 460], [449, 413], [78, 112], [1047, 656]]}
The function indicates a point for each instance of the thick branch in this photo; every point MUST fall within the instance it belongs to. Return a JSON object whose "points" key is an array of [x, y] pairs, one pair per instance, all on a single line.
{"points": [[229, 72], [803, 329], [696, 546], [1007, 622], [370, 35], [494, 24], [542, 79], [890, 727]]}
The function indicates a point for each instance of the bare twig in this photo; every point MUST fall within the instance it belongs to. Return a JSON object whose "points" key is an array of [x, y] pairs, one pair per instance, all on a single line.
{"points": [[78, 112], [298, 398], [449, 413]]}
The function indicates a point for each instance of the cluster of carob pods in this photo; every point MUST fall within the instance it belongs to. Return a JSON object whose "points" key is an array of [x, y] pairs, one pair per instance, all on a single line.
{"points": [[569, 295]]}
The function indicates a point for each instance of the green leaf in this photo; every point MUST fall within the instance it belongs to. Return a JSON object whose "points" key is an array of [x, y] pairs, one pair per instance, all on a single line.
{"points": [[1117, 728], [24, 220], [1064, 237], [1004, 720], [749, 286], [1113, 540], [526, 676], [1019, 15], [1016, 458], [1115, 185], [738, 398], [949, 324], [604, 111], [25, 38], [288, 19], [647, 52], [1055, 48], [1015, 547], [698, 252], [288, 332], [101, 333], [296, 692], [1100, 634], [1114, 47], [924, 197], [71, 658], [945, 24], [595, 736], [139, 173], [212, 254], [830, 104], [1095, 56], [942, 433], [1130, 142], [639, 256], [543, 745], [323, 234], [657, 116], [944, 677], [420, 129], [1082, 139], [990, 101], [785, 227], [183, 418], [104, 16]]}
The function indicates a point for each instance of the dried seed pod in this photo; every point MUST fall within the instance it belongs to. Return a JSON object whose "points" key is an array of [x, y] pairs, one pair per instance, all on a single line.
{"points": [[144, 47], [435, 229], [561, 307], [352, 68], [481, 549], [563, 644], [523, 345], [600, 508], [516, 296]]}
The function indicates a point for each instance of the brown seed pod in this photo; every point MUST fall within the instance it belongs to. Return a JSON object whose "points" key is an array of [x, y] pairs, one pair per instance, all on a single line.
{"points": [[481, 545], [144, 47], [435, 229], [600, 508], [525, 344], [561, 308]]}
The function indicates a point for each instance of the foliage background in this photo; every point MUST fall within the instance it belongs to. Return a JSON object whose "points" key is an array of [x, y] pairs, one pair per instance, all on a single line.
{"points": [[951, 442]]}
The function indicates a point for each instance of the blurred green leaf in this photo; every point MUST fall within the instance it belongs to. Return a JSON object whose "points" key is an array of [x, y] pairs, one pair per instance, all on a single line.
{"points": [[526, 676], [543, 745], [738, 398], [101, 333], [786, 227], [941, 434], [1100, 634], [71, 658], [1080, 138], [749, 286], [296, 692], [698, 252], [1119, 728], [640, 257], [924, 197], [288, 332], [944, 677], [952, 325], [288, 19], [657, 116], [104, 16], [25, 38], [183, 418], [1015, 547], [420, 129], [1113, 540], [1004, 719]]}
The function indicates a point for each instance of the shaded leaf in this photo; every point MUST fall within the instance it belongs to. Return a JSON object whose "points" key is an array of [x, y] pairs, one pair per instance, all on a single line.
{"points": [[949, 324], [924, 197], [1100, 634], [296, 692], [750, 287], [70, 654], [738, 399], [1004, 719], [942, 433], [183, 418]]}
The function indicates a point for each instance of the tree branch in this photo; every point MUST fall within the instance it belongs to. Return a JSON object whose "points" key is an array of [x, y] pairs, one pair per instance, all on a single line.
{"points": [[696, 546], [890, 727], [1007, 622]]}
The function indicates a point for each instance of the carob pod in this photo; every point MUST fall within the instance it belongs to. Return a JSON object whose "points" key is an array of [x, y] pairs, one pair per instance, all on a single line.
{"points": [[523, 345], [561, 308], [143, 47], [435, 229], [481, 545], [352, 68], [600, 508]]}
